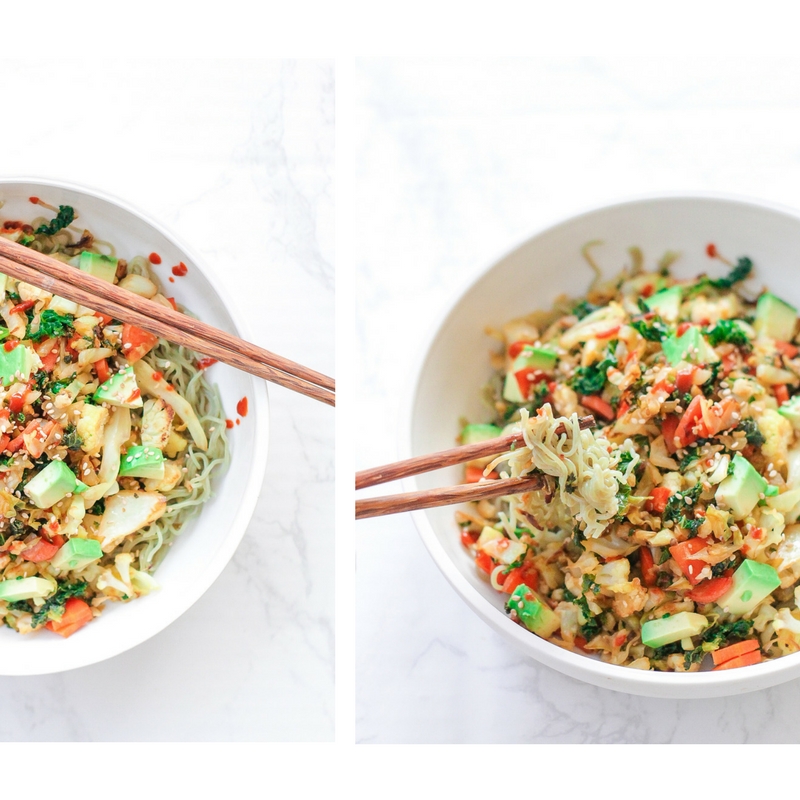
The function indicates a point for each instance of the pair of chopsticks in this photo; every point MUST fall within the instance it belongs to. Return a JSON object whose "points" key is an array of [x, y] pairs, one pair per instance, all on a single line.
{"points": [[430, 498], [73, 284]]}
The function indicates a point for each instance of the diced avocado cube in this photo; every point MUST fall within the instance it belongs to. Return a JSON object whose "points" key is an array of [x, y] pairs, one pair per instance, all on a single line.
{"points": [[142, 462], [742, 489], [666, 303], [25, 589], [533, 612], [103, 267], [50, 485], [689, 347], [771, 491], [480, 433], [541, 358], [15, 365], [753, 582], [658, 632], [774, 318], [120, 389], [76, 554], [791, 410], [511, 390]]}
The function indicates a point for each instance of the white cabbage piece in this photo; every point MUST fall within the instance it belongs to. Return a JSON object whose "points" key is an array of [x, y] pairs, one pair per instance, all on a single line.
{"points": [[127, 512], [117, 432]]}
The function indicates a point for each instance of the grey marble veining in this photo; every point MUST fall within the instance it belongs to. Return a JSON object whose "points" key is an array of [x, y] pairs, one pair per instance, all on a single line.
{"points": [[457, 162], [237, 159]]}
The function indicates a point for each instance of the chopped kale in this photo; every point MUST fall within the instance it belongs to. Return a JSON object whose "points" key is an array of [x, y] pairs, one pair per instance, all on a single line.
{"points": [[653, 330], [719, 634], [71, 440], [583, 309], [744, 266], [592, 626], [751, 431], [65, 217], [40, 379], [727, 330], [588, 584], [692, 454], [677, 505], [51, 325], [56, 386], [591, 379], [98, 508], [20, 605], [660, 653], [53, 607], [719, 569]]}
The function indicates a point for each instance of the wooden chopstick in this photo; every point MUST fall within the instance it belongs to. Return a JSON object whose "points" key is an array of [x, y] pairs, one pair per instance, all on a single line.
{"points": [[447, 458], [80, 287], [429, 498]]}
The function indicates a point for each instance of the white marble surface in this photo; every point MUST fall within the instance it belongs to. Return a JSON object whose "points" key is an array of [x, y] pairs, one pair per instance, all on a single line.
{"points": [[237, 158], [457, 162]]}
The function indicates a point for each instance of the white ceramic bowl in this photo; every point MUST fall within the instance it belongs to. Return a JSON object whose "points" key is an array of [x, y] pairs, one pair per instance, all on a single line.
{"points": [[208, 542], [456, 365]]}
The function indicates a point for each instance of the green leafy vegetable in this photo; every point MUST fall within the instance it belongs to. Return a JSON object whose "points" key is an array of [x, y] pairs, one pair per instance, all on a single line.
{"points": [[65, 216], [71, 440], [653, 330], [592, 626], [51, 326], [751, 431], [53, 607], [591, 379], [727, 330], [583, 309], [677, 506], [744, 266]]}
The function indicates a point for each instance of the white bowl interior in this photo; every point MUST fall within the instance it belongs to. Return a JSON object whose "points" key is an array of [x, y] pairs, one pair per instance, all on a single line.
{"points": [[456, 365], [208, 542]]}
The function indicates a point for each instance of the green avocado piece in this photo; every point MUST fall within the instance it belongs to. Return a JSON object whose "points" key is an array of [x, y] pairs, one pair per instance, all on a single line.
{"points": [[142, 462], [51, 484], [689, 347], [541, 358], [479, 433], [791, 410], [534, 613], [103, 267], [24, 589], [120, 389], [775, 318], [76, 554], [15, 365], [666, 303], [742, 489], [658, 632], [752, 583], [511, 390]]}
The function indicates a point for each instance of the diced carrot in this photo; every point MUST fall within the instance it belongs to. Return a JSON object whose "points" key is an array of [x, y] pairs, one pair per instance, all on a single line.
{"points": [[41, 551], [598, 405], [682, 328], [734, 651], [76, 614], [709, 590], [474, 474], [691, 425], [484, 562], [781, 393], [683, 552], [746, 660], [468, 538], [623, 409], [15, 444], [668, 428], [609, 333], [685, 379], [515, 348], [102, 370], [649, 571], [136, 343], [786, 349], [104, 318], [512, 580], [657, 501], [647, 290], [663, 386], [527, 379], [721, 416]]}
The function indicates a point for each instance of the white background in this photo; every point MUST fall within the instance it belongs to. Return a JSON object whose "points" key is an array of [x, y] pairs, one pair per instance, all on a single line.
{"points": [[457, 162], [237, 158]]}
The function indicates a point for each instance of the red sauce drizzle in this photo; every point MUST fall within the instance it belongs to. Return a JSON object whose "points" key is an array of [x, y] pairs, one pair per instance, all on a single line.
{"points": [[229, 423], [241, 407], [11, 225], [157, 376], [205, 363], [10, 345], [711, 251], [180, 270], [34, 200], [155, 258], [238, 422], [172, 280]]}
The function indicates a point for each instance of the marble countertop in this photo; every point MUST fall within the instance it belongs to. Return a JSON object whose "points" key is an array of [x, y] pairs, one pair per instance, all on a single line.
{"points": [[237, 158], [457, 163]]}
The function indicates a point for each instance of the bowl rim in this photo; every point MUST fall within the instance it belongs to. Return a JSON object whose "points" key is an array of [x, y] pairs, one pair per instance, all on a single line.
{"points": [[611, 676], [259, 408]]}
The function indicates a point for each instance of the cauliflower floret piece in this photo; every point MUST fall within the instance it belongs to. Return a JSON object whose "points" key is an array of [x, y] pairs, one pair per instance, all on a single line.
{"points": [[157, 419], [91, 424], [565, 401], [172, 477], [123, 581], [778, 433]]}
